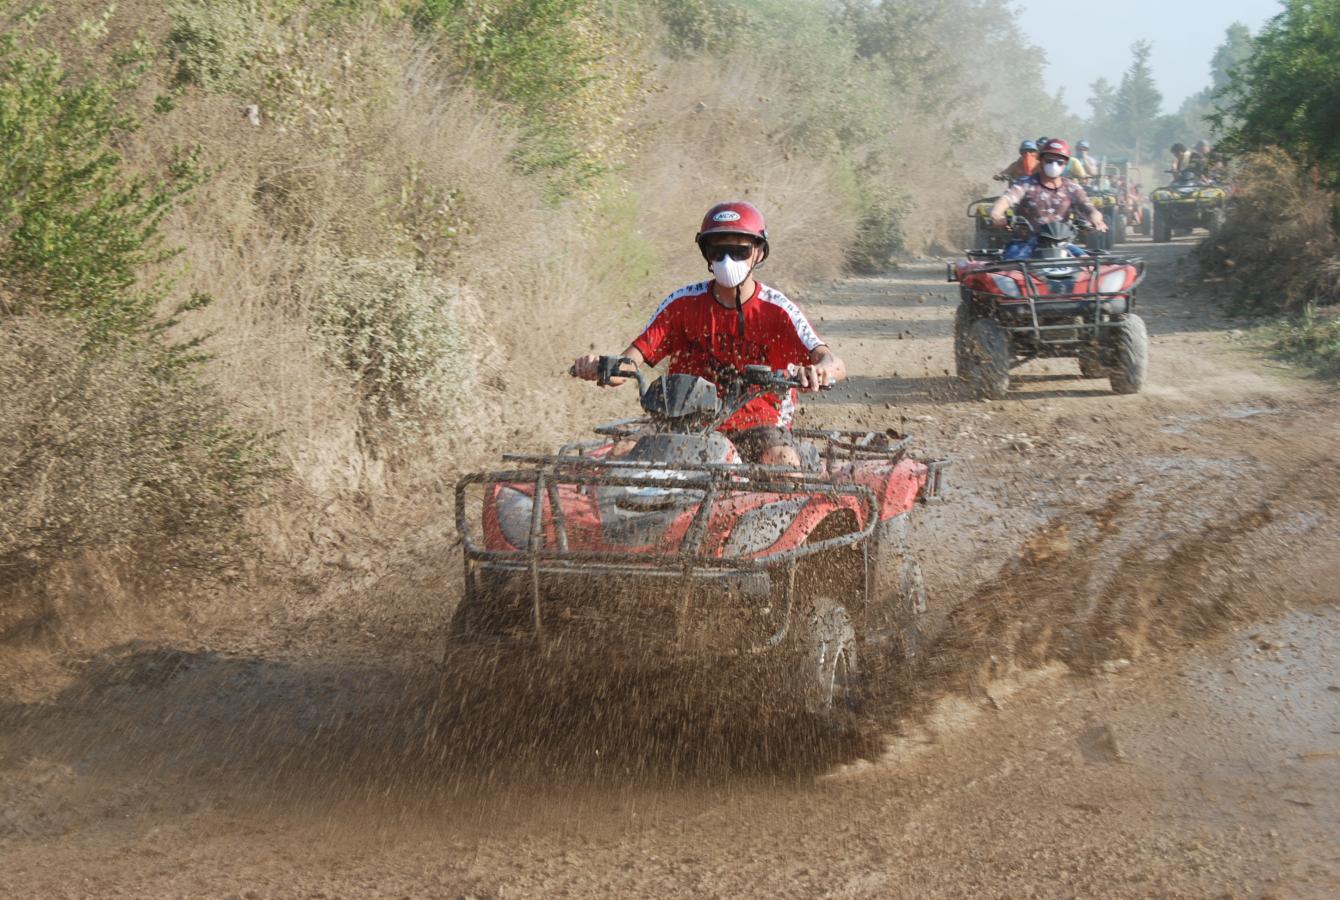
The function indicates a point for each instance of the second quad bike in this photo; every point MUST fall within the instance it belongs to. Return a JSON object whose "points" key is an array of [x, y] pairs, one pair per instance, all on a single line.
{"points": [[656, 541], [1055, 304], [1186, 204], [1106, 197]]}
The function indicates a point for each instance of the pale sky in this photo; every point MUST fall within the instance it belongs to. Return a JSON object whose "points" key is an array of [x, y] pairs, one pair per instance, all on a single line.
{"points": [[1185, 35]]}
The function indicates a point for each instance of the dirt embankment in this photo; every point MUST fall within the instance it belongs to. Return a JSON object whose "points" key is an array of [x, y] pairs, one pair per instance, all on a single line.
{"points": [[1135, 692]]}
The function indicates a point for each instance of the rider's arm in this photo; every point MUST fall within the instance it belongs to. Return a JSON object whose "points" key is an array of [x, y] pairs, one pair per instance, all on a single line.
{"points": [[1091, 212], [1013, 194]]}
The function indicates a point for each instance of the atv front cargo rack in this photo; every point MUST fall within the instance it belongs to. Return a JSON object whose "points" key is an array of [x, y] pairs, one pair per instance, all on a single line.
{"points": [[1091, 305], [689, 564]]}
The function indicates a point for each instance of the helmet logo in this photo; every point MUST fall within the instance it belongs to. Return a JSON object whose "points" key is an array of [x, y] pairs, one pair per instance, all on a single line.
{"points": [[726, 215]]}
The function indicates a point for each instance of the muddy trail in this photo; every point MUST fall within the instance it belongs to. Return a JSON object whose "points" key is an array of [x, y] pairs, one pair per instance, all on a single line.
{"points": [[1134, 692]]}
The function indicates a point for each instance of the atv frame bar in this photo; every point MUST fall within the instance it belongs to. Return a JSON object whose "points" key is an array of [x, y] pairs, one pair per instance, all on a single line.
{"points": [[689, 564]]}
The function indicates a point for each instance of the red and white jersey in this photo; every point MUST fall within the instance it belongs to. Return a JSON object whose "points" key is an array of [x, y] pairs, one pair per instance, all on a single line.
{"points": [[701, 337]]}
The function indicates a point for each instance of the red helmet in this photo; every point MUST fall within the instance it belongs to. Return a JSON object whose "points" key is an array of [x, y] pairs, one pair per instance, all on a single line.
{"points": [[1055, 147], [734, 217]]}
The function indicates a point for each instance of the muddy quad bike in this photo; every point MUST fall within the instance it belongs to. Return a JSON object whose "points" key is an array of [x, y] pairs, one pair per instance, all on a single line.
{"points": [[1187, 204], [1054, 304], [657, 540]]}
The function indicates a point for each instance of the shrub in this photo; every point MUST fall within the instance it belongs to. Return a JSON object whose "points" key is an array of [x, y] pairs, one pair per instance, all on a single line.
{"points": [[395, 329], [78, 236], [99, 453], [1278, 248], [563, 66]]}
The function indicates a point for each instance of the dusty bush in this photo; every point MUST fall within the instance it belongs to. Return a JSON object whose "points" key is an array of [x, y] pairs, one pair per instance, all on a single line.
{"points": [[1278, 248], [397, 331], [98, 453], [1315, 339]]}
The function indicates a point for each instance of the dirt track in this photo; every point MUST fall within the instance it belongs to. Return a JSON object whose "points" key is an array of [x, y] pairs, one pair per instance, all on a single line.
{"points": [[1137, 693]]}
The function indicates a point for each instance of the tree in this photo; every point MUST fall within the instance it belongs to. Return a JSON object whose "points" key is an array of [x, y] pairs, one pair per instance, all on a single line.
{"points": [[1287, 93], [1136, 104]]}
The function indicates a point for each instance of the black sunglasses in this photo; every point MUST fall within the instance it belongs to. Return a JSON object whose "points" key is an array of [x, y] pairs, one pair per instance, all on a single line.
{"points": [[718, 252]]}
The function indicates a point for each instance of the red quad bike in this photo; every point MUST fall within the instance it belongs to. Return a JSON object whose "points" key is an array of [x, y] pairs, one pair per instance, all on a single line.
{"points": [[657, 540], [1054, 304]]}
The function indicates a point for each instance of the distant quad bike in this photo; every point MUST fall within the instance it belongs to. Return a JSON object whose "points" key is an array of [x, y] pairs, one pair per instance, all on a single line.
{"points": [[1186, 204], [1104, 195], [1052, 305], [657, 541]]}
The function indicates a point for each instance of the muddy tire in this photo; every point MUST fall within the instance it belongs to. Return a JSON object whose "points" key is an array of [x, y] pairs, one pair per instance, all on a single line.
{"points": [[1091, 366], [985, 358], [829, 673], [962, 319], [910, 613], [1119, 229], [1130, 353], [1163, 232]]}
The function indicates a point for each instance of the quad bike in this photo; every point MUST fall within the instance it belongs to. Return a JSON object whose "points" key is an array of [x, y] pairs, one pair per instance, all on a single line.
{"points": [[657, 540], [1186, 204], [1052, 305], [1105, 196]]}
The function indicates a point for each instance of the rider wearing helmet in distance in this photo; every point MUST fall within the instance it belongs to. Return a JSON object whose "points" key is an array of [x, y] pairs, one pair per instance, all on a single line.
{"points": [[1024, 165], [1081, 165], [733, 321], [1044, 197]]}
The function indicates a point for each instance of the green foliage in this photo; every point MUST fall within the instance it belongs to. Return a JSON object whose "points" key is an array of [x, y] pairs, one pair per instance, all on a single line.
{"points": [[1126, 119], [395, 330], [702, 26], [1314, 341], [1287, 93], [78, 236], [564, 69], [107, 440]]}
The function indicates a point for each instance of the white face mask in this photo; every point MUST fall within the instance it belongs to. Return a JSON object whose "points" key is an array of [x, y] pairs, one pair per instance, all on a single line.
{"points": [[731, 272], [1053, 168]]}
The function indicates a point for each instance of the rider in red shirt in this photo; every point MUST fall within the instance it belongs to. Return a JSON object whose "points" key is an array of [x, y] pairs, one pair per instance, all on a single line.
{"points": [[734, 321]]}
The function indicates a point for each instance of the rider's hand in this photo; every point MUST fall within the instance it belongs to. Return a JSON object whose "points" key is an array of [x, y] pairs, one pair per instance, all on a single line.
{"points": [[587, 367], [1100, 227], [812, 378], [998, 221]]}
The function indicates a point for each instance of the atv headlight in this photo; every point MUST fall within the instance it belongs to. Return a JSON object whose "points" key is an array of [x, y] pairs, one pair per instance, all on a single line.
{"points": [[514, 516], [1162, 195], [1112, 282], [1005, 285]]}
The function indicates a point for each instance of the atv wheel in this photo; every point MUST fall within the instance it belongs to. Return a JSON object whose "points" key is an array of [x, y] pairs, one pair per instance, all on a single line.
{"points": [[1090, 365], [1119, 229], [1162, 228], [1131, 352], [830, 676], [910, 613], [986, 358], [962, 319]]}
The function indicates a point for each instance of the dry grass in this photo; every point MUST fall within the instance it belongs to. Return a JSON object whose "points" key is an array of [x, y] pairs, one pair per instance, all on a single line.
{"points": [[1278, 248]]}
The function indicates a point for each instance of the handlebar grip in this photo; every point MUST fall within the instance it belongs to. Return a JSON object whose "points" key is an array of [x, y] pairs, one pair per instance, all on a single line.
{"points": [[610, 367]]}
